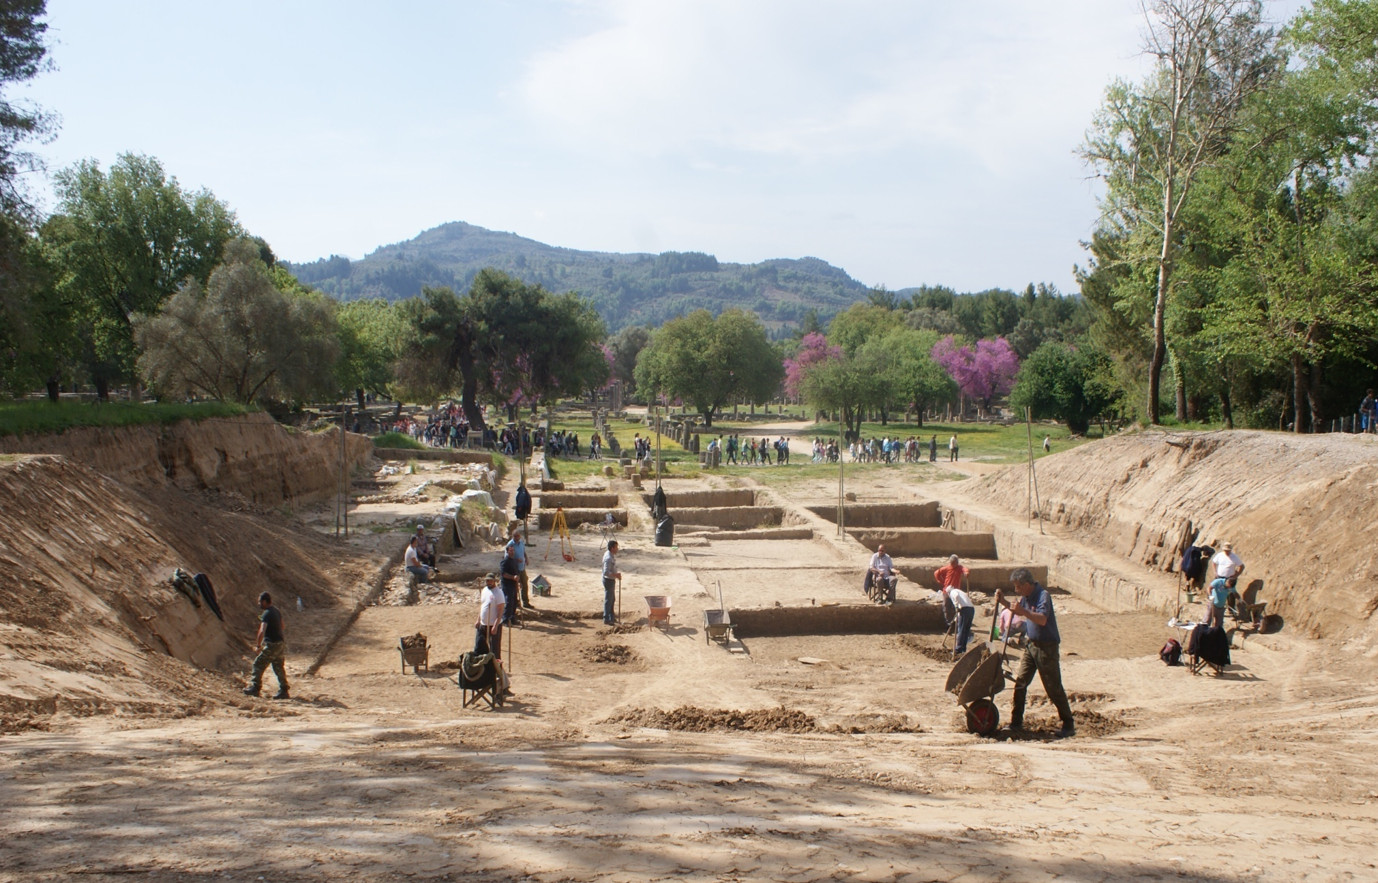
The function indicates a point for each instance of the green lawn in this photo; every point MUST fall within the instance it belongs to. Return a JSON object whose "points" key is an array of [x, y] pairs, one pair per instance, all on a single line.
{"points": [[28, 418]]}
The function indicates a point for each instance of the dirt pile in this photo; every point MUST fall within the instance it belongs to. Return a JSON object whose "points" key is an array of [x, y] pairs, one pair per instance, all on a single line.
{"points": [[691, 719], [1297, 508], [251, 456], [91, 621]]}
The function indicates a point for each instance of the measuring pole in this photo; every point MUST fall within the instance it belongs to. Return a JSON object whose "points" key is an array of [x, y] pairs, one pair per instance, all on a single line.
{"points": [[841, 479]]}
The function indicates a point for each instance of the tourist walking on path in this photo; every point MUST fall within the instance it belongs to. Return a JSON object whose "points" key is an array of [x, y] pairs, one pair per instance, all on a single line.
{"points": [[1041, 648], [271, 646]]}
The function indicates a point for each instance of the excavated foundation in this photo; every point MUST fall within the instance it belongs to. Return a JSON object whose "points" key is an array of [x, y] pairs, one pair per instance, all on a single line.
{"points": [[838, 620], [926, 542], [884, 514]]}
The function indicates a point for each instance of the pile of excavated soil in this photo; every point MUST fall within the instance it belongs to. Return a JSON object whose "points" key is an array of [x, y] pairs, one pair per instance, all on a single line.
{"points": [[1297, 508], [691, 719], [613, 654]]}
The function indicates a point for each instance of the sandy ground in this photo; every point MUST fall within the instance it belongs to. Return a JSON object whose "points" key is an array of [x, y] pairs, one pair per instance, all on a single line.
{"points": [[616, 759]]}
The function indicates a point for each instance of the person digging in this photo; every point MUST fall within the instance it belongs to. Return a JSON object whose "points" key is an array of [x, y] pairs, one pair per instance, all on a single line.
{"points": [[1035, 605]]}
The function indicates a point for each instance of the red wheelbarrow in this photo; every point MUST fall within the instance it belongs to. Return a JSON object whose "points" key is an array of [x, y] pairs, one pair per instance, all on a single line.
{"points": [[975, 679]]}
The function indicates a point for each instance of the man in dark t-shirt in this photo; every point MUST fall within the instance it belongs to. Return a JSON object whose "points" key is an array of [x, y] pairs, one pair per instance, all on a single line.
{"points": [[1041, 654], [271, 645], [511, 574]]}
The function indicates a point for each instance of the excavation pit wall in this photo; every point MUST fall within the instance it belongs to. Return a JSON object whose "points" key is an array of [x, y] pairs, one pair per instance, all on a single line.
{"points": [[578, 500], [870, 619], [716, 499], [546, 517], [744, 518], [927, 542], [984, 576], [892, 515], [1107, 589]]}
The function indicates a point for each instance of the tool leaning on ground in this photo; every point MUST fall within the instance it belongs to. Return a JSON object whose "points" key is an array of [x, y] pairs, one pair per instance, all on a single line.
{"points": [[977, 677]]}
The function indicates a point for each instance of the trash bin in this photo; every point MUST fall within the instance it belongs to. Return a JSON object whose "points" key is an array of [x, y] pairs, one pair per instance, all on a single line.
{"points": [[665, 531]]}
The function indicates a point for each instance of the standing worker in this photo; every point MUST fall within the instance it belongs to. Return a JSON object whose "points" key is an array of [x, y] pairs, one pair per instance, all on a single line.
{"points": [[488, 629], [271, 646], [518, 547], [1035, 605], [952, 448], [509, 584], [933, 448], [610, 577]]}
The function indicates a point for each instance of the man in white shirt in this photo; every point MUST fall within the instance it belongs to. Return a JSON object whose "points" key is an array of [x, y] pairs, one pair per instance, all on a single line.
{"points": [[412, 561], [488, 629], [881, 569], [1226, 562]]}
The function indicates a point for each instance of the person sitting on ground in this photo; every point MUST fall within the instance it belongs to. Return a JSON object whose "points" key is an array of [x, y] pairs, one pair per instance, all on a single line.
{"points": [[412, 560], [882, 569], [425, 551]]}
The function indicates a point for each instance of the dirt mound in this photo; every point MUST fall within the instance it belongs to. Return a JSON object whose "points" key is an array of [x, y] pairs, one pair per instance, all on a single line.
{"points": [[1297, 508], [251, 456], [691, 719], [614, 654], [92, 622]]}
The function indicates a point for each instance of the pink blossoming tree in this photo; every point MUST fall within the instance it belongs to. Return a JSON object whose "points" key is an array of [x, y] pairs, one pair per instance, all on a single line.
{"points": [[982, 373], [814, 350]]}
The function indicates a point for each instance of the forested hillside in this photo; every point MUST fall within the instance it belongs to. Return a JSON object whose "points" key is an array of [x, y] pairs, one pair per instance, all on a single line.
{"points": [[626, 289]]}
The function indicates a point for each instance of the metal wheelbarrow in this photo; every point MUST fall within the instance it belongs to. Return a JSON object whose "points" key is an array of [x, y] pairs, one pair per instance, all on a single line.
{"points": [[717, 624], [659, 606], [975, 679]]}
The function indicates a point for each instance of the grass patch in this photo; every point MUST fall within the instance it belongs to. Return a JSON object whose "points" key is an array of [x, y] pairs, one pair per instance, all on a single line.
{"points": [[397, 440], [34, 418]]}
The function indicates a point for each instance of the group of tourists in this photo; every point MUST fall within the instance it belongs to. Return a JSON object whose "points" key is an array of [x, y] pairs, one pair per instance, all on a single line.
{"points": [[824, 452], [735, 452]]}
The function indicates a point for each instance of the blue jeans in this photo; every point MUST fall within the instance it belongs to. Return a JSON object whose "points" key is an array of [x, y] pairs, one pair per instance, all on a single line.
{"points": [[609, 599], [964, 617], [422, 574]]}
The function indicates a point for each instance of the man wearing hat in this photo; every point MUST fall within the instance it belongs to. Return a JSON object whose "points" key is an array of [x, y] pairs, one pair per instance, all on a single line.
{"points": [[1226, 562], [518, 548], [488, 629]]}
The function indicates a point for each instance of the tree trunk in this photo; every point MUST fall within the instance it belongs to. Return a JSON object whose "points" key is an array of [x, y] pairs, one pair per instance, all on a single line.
{"points": [[1298, 393], [359, 396], [1155, 365], [1182, 411], [102, 389], [468, 401], [1313, 395], [1225, 408], [54, 389]]}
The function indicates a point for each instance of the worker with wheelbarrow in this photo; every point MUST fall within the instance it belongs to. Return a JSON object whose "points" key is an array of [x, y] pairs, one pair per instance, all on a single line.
{"points": [[1040, 650]]}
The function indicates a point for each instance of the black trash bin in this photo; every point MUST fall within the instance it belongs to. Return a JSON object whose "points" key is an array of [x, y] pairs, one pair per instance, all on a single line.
{"points": [[665, 531]]}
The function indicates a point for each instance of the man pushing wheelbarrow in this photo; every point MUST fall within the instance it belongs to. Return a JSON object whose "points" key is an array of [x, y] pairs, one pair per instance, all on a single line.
{"points": [[1041, 648]]}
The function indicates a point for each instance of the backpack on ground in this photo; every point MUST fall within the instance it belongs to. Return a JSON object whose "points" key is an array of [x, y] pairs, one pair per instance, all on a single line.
{"points": [[1171, 652]]}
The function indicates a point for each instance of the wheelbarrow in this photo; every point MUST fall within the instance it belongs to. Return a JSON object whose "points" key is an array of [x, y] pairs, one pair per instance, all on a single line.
{"points": [[659, 605], [974, 680], [414, 652], [717, 624]]}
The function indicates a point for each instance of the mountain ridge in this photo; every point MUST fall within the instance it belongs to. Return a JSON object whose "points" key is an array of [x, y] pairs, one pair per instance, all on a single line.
{"points": [[626, 288]]}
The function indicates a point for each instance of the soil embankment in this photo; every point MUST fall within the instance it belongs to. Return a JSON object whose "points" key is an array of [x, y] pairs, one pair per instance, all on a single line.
{"points": [[1298, 510], [252, 456]]}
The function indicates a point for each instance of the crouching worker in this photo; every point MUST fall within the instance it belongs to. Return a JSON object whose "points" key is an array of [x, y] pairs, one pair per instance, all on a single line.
{"points": [[880, 578], [271, 646], [1035, 605]]}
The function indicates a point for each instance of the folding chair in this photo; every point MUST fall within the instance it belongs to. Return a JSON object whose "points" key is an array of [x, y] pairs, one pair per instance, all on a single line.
{"points": [[478, 680]]}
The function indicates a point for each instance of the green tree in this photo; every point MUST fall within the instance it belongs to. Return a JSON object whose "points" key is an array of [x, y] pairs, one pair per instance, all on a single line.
{"points": [[710, 362], [239, 338], [847, 385], [124, 242], [1065, 383], [917, 379], [371, 336], [504, 342], [626, 345], [1151, 142], [36, 328], [23, 54], [860, 322]]}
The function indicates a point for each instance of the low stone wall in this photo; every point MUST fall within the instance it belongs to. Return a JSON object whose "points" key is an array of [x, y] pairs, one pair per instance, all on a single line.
{"points": [[774, 533], [884, 514], [870, 619], [927, 541]]}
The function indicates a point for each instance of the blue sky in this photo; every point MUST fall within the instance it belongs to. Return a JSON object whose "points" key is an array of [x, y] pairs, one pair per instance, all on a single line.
{"points": [[906, 142]]}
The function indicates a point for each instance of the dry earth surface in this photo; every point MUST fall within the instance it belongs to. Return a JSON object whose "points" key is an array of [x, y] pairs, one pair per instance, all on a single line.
{"points": [[643, 753]]}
